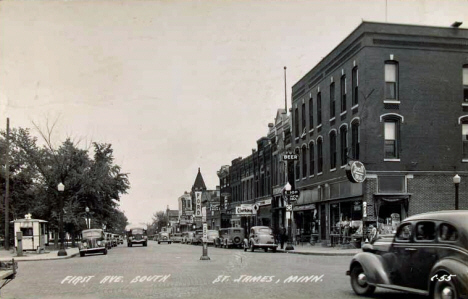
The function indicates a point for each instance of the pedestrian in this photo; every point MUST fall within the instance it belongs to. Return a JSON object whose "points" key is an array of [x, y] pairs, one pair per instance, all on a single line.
{"points": [[283, 236]]}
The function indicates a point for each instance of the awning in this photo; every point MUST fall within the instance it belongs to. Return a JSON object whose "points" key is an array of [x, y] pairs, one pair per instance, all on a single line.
{"points": [[382, 198], [307, 197]]}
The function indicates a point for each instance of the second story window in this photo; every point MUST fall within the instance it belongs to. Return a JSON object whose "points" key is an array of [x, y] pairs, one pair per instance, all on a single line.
{"points": [[304, 162], [303, 118], [319, 156], [332, 100], [391, 80], [465, 139], [296, 123], [343, 93], [311, 113], [465, 83], [332, 150], [391, 139], [355, 82], [319, 108], [311, 159], [355, 140], [344, 145]]}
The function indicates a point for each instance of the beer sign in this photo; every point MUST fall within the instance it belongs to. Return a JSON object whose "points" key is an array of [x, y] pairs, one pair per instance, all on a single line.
{"points": [[290, 156], [356, 172]]}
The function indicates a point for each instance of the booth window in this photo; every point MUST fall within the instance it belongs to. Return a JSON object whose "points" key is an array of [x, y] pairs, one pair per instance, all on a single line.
{"points": [[27, 231]]}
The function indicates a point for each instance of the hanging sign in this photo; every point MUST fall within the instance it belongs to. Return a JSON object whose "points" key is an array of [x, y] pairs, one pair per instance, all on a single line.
{"points": [[356, 172], [198, 204], [290, 156]]}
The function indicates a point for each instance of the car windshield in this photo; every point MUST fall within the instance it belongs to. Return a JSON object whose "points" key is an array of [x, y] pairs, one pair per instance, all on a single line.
{"points": [[137, 231], [92, 234], [264, 231]]}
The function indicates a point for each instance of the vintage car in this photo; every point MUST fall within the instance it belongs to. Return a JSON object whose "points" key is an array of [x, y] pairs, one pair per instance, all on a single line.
{"points": [[108, 239], [211, 236], [176, 238], [119, 239], [231, 236], [261, 237], [93, 241], [164, 237], [137, 235], [115, 240], [197, 237], [428, 255]]}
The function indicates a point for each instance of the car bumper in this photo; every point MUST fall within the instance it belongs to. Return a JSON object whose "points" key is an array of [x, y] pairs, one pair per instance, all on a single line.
{"points": [[92, 249], [266, 245], [138, 241]]}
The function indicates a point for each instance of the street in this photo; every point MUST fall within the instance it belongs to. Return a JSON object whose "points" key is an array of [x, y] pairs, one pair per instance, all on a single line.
{"points": [[176, 271]]}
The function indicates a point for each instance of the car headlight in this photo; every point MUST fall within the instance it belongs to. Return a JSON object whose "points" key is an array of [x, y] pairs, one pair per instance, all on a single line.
{"points": [[130, 238], [85, 244], [99, 243]]}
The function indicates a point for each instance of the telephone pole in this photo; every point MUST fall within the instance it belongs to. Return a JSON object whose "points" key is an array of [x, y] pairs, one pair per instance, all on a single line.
{"points": [[7, 191]]}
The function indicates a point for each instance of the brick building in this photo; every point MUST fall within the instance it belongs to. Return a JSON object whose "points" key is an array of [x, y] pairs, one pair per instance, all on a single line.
{"points": [[225, 195], [394, 97]]}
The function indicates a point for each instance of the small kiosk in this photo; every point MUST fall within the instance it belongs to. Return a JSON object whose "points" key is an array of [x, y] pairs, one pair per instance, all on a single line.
{"points": [[34, 233]]}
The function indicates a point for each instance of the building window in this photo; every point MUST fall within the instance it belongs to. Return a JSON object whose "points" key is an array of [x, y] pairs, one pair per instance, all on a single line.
{"points": [[311, 113], [355, 140], [319, 108], [343, 93], [332, 150], [355, 83], [344, 145], [296, 122], [392, 145], [297, 169], [465, 83], [311, 159], [332, 100], [320, 156], [304, 162], [465, 139], [391, 80], [303, 116]]}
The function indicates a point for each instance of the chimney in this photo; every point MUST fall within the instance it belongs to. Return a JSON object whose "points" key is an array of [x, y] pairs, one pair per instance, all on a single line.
{"points": [[270, 125]]}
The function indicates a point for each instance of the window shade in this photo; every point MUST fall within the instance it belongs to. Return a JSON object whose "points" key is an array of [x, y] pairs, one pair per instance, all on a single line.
{"points": [[465, 75], [390, 131], [390, 72]]}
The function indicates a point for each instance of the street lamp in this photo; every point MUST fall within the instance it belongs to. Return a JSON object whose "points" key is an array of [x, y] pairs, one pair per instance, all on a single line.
{"points": [[62, 251], [456, 182], [88, 222], [289, 245]]}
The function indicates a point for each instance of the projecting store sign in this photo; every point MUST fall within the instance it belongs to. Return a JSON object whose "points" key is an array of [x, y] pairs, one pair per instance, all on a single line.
{"points": [[356, 172], [290, 156], [198, 205], [245, 210]]}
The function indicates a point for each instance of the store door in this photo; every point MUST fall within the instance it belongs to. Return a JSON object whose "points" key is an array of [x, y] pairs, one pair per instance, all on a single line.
{"points": [[323, 222]]}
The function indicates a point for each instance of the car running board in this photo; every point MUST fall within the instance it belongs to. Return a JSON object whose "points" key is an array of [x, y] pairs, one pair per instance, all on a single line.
{"points": [[403, 289]]}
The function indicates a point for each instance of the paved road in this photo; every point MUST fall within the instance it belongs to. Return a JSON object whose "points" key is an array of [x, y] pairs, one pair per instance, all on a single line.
{"points": [[175, 271]]}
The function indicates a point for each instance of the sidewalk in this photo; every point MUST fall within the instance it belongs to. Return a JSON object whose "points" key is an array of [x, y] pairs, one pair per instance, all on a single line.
{"points": [[33, 256], [319, 250]]}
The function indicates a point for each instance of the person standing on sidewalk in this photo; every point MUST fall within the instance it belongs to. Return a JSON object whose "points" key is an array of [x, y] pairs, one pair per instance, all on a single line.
{"points": [[283, 236]]}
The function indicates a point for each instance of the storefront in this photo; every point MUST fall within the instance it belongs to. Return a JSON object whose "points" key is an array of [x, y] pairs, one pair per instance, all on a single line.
{"points": [[306, 216], [390, 210], [345, 220]]}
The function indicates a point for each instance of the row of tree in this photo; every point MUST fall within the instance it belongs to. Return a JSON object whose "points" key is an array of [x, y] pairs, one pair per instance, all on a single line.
{"points": [[91, 180]]}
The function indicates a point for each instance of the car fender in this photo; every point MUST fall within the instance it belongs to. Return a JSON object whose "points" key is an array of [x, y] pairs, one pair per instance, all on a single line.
{"points": [[454, 267], [373, 267]]}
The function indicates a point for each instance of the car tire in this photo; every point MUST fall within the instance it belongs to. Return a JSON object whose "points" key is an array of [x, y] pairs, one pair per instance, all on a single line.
{"points": [[447, 286], [359, 282], [265, 249], [236, 240], [105, 251], [170, 242], [273, 249], [82, 254]]}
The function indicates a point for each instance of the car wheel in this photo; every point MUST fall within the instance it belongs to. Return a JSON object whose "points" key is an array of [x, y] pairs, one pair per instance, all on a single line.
{"points": [[252, 248], [145, 244], [265, 249], [159, 242], [359, 282], [170, 242], [236, 240], [274, 249], [82, 254], [445, 289]]}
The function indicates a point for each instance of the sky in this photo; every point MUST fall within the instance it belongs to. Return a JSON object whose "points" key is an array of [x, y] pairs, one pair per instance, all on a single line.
{"points": [[173, 85]]}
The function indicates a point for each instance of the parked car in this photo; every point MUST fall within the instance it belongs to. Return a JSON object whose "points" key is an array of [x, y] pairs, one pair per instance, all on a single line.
{"points": [[261, 237], [115, 240], [108, 239], [188, 237], [176, 238], [93, 241], [137, 235], [428, 255], [164, 237], [231, 236], [197, 237], [211, 236], [120, 239]]}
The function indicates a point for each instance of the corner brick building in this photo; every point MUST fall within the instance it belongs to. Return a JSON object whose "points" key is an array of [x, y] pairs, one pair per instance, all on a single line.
{"points": [[394, 97]]}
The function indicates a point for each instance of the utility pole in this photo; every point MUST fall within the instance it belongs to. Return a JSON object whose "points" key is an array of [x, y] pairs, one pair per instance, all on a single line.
{"points": [[7, 191]]}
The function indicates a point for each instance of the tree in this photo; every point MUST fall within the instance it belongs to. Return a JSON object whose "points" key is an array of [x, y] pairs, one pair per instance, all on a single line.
{"points": [[160, 220]]}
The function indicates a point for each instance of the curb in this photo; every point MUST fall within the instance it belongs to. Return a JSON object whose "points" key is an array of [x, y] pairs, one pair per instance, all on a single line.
{"points": [[38, 259], [319, 253]]}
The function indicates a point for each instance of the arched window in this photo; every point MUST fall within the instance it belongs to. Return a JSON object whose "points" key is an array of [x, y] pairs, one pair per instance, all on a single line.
{"points": [[311, 113], [333, 149], [304, 161], [319, 108], [355, 139], [297, 167], [464, 124], [311, 158], [391, 80], [319, 156], [332, 100], [344, 144], [343, 93], [392, 145]]}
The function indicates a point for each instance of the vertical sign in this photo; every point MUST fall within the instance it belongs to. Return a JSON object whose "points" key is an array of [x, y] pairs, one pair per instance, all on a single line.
{"points": [[205, 231], [198, 205]]}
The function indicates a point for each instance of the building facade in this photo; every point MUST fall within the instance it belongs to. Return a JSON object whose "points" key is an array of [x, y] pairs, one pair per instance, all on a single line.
{"points": [[395, 98]]}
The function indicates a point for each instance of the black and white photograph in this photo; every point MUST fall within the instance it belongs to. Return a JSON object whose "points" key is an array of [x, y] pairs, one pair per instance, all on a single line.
{"points": [[233, 149]]}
